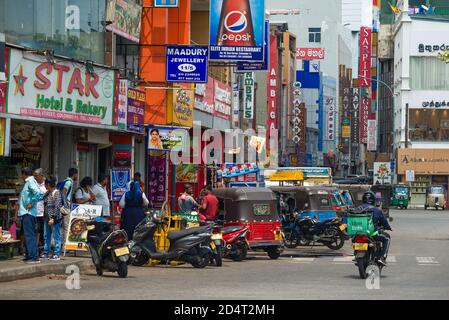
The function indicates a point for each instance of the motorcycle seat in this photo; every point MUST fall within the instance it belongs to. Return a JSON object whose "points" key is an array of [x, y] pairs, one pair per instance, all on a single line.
{"points": [[228, 230], [174, 235], [319, 223]]}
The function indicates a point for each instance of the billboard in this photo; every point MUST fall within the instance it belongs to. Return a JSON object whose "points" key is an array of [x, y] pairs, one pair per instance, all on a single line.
{"points": [[237, 30], [186, 64], [258, 66], [382, 173], [125, 15], [166, 138]]}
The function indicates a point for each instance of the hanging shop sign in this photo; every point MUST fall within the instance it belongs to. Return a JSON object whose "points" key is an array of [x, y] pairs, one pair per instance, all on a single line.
{"points": [[310, 53], [329, 105], [166, 3], [61, 91], [120, 179], [222, 100], [272, 86], [187, 173], [372, 135], [365, 107], [157, 180], [186, 64], [136, 111], [4, 53], [180, 105], [235, 104], [167, 138], [204, 96], [249, 95], [365, 57], [77, 234], [258, 66], [126, 18], [122, 108], [237, 30], [382, 173], [355, 111]]}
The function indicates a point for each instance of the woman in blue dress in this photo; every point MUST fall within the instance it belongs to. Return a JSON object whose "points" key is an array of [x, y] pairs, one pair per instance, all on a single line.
{"points": [[133, 203]]}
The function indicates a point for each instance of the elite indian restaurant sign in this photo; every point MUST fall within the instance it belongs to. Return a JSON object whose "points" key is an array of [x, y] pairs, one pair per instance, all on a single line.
{"points": [[62, 91]]}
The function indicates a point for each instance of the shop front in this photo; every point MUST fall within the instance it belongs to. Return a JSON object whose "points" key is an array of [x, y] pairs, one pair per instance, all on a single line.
{"points": [[430, 167]]}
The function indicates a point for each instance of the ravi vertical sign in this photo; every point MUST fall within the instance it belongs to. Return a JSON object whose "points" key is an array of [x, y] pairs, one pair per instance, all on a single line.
{"points": [[365, 57]]}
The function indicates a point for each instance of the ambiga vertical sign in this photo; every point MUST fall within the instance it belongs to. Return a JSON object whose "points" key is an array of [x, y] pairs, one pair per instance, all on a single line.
{"points": [[272, 88], [365, 57]]}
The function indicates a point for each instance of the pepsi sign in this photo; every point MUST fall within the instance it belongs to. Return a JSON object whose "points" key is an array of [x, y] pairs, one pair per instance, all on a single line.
{"points": [[187, 64]]}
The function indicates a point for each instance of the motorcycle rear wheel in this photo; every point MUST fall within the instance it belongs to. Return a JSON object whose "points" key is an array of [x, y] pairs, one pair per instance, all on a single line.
{"points": [[218, 256], [122, 269], [361, 264], [338, 243], [201, 262]]}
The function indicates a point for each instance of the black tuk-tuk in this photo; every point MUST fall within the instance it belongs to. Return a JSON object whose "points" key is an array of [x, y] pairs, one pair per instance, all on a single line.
{"points": [[255, 208]]}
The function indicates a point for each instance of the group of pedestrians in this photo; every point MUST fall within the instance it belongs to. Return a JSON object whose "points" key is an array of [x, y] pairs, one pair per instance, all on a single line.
{"points": [[41, 206], [207, 204]]}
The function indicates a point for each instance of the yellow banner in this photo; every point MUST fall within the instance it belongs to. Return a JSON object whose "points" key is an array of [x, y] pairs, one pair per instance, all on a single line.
{"points": [[346, 131], [180, 106], [287, 176], [2, 136]]}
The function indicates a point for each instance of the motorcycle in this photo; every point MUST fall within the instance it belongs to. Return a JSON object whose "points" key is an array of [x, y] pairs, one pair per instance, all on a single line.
{"points": [[303, 231], [365, 252], [192, 245], [236, 246], [108, 248]]}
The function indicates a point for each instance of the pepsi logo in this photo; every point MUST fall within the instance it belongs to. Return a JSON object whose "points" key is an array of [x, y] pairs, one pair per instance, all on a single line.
{"points": [[235, 21]]}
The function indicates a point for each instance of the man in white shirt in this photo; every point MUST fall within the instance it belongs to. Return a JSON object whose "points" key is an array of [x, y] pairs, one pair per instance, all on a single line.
{"points": [[40, 213], [101, 195]]}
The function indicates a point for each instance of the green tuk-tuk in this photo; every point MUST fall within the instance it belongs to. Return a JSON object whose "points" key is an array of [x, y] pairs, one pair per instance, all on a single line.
{"points": [[400, 196]]}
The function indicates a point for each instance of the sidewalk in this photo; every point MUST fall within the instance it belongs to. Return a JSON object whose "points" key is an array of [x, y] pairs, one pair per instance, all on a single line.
{"points": [[16, 269]]}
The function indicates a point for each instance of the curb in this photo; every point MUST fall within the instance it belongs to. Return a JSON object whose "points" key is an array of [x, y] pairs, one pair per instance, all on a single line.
{"points": [[33, 271]]}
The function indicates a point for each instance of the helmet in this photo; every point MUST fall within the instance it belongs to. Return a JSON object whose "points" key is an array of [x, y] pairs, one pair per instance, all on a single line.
{"points": [[369, 198]]}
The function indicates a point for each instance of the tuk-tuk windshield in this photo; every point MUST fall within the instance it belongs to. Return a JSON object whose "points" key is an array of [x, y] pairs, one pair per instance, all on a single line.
{"points": [[347, 198], [337, 200], [401, 190], [437, 190], [320, 201]]}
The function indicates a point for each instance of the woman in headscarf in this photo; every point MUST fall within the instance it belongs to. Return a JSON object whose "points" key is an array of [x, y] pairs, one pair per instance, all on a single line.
{"points": [[133, 203]]}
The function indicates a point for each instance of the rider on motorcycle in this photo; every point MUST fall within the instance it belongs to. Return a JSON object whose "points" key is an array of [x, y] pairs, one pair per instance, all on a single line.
{"points": [[380, 222]]}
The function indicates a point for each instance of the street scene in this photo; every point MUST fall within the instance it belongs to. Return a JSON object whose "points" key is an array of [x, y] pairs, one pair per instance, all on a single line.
{"points": [[224, 150]]}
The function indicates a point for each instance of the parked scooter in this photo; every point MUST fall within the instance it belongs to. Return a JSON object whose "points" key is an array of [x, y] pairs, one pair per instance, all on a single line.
{"points": [[236, 246], [108, 248], [303, 231], [192, 245]]}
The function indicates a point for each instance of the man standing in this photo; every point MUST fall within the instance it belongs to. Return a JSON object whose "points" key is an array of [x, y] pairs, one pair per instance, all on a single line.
{"points": [[101, 195], [67, 192], [186, 202], [29, 197], [209, 205], [40, 217]]}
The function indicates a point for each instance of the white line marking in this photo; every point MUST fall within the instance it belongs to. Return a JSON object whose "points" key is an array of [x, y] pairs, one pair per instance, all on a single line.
{"points": [[343, 260], [303, 260], [391, 259], [427, 261]]}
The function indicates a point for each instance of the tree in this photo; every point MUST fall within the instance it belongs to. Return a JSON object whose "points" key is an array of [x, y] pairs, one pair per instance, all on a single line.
{"points": [[444, 56]]}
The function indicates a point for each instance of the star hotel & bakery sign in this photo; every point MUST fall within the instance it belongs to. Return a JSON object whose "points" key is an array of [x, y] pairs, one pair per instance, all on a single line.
{"points": [[60, 91]]}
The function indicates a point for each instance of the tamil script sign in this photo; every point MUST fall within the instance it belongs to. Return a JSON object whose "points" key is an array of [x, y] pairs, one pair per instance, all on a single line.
{"points": [[186, 64], [167, 138]]}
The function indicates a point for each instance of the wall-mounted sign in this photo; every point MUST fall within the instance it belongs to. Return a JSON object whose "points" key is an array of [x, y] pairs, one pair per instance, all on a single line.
{"points": [[3, 84], [167, 138], [435, 104], [365, 57], [186, 64], [382, 173], [365, 107], [248, 96], [119, 183], [272, 88], [237, 30], [61, 91], [126, 18], [372, 135], [235, 104], [423, 161], [122, 108], [181, 102], [204, 96], [166, 3], [310, 53], [330, 111], [355, 111], [222, 99], [136, 111], [409, 176]]}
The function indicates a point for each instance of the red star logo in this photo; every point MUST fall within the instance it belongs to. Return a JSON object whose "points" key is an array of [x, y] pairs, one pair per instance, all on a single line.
{"points": [[20, 81]]}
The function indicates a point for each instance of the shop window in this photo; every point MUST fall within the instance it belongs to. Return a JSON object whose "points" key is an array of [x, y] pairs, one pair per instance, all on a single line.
{"points": [[427, 125], [428, 73]]}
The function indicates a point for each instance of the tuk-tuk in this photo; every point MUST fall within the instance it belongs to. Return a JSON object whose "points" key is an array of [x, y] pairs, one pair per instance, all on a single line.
{"points": [[436, 196], [385, 191], [400, 196], [315, 201], [255, 208], [353, 193]]}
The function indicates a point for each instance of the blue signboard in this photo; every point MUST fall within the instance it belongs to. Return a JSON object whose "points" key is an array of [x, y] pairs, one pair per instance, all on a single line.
{"points": [[258, 66], [187, 64], [166, 3], [237, 30], [119, 183]]}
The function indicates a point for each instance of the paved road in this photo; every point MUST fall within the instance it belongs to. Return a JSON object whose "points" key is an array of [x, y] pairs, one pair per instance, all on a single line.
{"points": [[418, 269]]}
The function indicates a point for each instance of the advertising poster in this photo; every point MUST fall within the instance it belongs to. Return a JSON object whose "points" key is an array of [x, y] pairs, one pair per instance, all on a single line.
{"points": [[166, 138], [136, 111], [237, 30], [382, 173], [76, 96], [157, 177], [258, 66], [119, 183], [182, 101], [77, 235], [248, 96], [187, 64], [122, 104], [187, 173], [126, 15]]}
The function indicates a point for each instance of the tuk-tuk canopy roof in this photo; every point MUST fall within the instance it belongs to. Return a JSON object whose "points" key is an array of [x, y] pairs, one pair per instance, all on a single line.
{"points": [[245, 194]]}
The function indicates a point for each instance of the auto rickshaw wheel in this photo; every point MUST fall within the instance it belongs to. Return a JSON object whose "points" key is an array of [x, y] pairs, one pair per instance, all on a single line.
{"points": [[273, 253]]}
